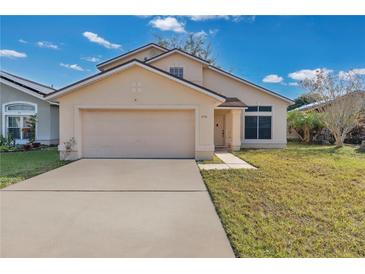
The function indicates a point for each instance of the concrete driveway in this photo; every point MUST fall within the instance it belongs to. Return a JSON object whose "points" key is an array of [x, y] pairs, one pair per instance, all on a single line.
{"points": [[112, 208]]}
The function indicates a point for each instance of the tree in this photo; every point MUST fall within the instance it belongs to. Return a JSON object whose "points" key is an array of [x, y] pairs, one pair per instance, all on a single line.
{"points": [[341, 100], [304, 99], [304, 125], [197, 45]]}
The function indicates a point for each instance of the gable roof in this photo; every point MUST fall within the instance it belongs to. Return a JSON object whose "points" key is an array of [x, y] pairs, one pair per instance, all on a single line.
{"points": [[25, 85], [270, 92], [135, 62], [176, 50], [150, 45], [221, 71]]}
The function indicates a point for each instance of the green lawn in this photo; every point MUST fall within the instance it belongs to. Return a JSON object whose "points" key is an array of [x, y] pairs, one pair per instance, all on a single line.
{"points": [[17, 166], [303, 201]]}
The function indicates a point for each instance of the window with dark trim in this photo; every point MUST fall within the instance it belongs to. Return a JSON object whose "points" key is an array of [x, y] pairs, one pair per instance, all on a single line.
{"points": [[257, 127], [177, 71], [251, 127], [251, 109], [264, 127], [259, 109], [265, 108]]}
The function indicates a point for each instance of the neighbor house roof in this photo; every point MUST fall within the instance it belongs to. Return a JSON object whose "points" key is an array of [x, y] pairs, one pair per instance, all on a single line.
{"points": [[150, 45], [36, 87], [135, 62], [30, 87], [232, 102]]}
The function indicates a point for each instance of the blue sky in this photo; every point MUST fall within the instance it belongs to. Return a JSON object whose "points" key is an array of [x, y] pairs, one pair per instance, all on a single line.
{"points": [[272, 51]]}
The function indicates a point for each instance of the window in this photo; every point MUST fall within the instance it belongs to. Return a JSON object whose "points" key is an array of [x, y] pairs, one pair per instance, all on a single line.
{"points": [[177, 71], [16, 117], [265, 108], [251, 109], [264, 127], [257, 127], [251, 127], [259, 109], [20, 107], [14, 127], [18, 127]]}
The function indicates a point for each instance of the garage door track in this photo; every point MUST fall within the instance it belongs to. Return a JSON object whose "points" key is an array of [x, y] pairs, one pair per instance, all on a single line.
{"points": [[112, 208]]}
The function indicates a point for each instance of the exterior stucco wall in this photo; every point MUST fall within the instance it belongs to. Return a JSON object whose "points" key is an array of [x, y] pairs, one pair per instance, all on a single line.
{"points": [[138, 88], [252, 97], [47, 125], [193, 70], [147, 53]]}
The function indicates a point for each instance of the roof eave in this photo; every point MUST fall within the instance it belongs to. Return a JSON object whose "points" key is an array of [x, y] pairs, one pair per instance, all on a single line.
{"points": [[122, 67]]}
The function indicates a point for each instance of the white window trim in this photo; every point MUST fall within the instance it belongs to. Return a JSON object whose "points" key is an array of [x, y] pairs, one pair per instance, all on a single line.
{"points": [[20, 113]]}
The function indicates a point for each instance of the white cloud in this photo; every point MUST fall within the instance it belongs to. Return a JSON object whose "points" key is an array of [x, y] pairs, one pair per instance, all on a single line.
{"points": [[233, 18], [72, 66], [208, 17], [201, 33], [360, 71], [303, 74], [272, 78], [12, 53], [294, 84], [46, 44], [94, 38], [168, 24], [23, 41], [92, 59], [345, 75], [213, 32]]}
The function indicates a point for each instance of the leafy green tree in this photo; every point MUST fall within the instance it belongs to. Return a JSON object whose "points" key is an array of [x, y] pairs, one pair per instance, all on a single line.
{"points": [[304, 124]]}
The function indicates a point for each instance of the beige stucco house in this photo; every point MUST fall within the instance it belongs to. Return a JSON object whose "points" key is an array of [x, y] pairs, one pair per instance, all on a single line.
{"points": [[158, 103]]}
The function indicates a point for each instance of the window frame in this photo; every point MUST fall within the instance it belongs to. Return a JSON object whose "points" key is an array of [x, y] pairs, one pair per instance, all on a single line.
{"points": [[258, 137], [177, 74], [23, 114]]}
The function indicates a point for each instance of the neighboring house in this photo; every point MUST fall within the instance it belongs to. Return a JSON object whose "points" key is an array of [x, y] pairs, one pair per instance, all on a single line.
{"points": [[355, 136], [21, 98], [157, 103]]}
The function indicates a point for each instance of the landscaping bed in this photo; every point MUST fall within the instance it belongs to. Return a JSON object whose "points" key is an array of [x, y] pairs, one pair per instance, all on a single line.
{"points": [[303, 201]]}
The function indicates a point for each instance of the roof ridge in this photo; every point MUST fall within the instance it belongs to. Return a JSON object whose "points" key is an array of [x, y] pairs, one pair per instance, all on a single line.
{"points": [[131, 51]]}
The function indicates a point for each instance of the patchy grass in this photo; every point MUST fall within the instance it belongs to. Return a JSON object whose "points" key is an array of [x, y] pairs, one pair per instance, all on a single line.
{"points": [[303, 201], [18, 166], [215, 160]]}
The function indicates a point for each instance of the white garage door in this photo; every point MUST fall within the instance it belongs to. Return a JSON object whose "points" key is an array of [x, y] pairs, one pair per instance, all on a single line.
{"points": [[138, 133]]}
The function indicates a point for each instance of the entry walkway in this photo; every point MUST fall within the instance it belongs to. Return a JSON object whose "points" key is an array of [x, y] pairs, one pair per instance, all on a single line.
{"points": [[230, 162]]}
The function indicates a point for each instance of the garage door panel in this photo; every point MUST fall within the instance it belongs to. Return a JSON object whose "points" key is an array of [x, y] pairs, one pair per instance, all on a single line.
{"points": [[138, 134]]}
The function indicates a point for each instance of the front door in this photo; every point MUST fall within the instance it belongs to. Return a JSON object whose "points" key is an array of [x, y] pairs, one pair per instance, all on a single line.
{"points": [[219, 130]]}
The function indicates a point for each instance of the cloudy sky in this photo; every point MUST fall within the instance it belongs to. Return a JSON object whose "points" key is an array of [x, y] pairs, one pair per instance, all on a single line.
{"points": [[273, 51]]}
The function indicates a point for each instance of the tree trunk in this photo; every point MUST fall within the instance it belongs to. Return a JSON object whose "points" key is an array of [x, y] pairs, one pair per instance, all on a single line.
{"points": [[339, 139], [306, 134]]}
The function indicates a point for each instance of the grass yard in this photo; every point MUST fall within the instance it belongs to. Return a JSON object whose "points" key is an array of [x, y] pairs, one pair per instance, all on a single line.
{"points": [[18, 166], [303, 201]]}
